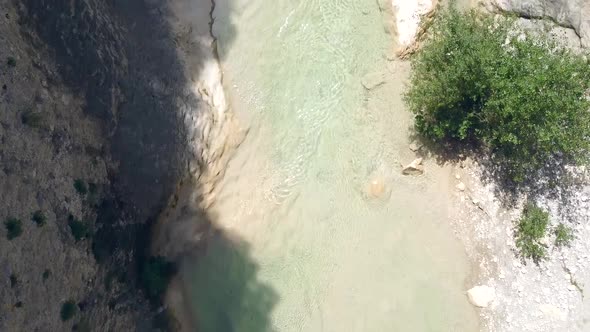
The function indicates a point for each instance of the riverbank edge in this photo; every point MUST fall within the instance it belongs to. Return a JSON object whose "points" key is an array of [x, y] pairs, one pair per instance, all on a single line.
{"points": [[216, 134], [548, 297]]}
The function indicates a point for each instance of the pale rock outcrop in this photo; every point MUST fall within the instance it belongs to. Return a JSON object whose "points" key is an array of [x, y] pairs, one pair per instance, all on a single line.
{"points": [[408, 19], [481, 296], [567, 13]]}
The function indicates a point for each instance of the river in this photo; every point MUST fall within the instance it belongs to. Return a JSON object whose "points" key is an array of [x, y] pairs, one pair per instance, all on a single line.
{"points": [[332, 237]]}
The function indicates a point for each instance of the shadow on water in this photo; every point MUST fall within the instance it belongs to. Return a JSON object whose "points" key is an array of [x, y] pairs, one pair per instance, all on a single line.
{"points": [[218, 287], [124, 59], [224, 293]]}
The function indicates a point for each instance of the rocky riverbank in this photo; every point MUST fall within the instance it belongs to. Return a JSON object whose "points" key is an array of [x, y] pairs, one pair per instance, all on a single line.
{"points": [[520, 295], [514, 294], [528, 297], [550, 296]]}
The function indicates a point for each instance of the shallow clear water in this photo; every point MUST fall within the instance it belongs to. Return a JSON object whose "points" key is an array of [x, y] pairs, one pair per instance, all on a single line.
{"points": [[307, 244]]}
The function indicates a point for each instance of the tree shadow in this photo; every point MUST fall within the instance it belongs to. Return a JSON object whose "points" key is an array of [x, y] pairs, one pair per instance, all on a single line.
{"points": [[222, 290], [556, 180], [217, 280], [136, 64]]}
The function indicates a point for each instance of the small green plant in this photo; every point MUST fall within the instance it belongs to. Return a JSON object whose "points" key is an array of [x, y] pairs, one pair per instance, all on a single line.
{"points": [[13, 280], [18, 304], [531, 228], [46, 274], [156, 275], [14, 228], [11, 61], [68, 310], [39, 218], [522, 100], [32, 119], [80, 186], [79, 229], [563, 235]]}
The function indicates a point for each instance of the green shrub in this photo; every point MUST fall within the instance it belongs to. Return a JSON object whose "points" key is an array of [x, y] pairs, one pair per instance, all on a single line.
{"points": [[14, 228], [79, 229], [39, 218], [156, 275], [11, 61], [522, 100], [68, 310], [563, 235], [32, 119], [80, 186], [46, 274], [531, 228], [18, 304]]}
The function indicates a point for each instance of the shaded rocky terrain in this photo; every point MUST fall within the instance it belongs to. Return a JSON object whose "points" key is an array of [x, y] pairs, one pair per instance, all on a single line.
{"points": [[94, 140]]}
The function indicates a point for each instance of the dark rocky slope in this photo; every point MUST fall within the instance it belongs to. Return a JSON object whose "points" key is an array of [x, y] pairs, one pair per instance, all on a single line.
{"points": [[93, 136]]}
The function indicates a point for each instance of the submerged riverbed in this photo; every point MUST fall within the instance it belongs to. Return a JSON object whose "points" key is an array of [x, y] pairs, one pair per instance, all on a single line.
{"points": [[326, 234]]}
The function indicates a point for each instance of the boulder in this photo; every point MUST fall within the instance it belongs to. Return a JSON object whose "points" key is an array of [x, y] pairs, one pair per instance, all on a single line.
{"points": [[414, 168], [481, 296], [415, 146]]}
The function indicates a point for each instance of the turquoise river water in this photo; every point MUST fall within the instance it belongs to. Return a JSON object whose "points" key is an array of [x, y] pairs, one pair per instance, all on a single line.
{"points": [[322, 231]]}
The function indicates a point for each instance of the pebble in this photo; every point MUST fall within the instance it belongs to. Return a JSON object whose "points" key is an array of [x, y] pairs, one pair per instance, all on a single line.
{"points": [[460, 186]]}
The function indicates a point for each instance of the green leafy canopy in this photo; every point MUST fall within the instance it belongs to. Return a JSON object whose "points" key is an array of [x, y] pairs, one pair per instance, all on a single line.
{"points": [[519, 97]]}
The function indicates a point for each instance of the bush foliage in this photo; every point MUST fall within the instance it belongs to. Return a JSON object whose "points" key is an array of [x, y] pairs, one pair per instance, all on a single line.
{"points": [[563, 236], [11, 61], [32, 119], [14, 228], [39, 218], [80, 186], [68, 310], [521, 98], [531, 228], [80, 229]]}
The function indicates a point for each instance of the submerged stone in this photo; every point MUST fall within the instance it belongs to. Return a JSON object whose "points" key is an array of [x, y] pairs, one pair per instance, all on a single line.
{"points": [[373, 80], [414, 168]]}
